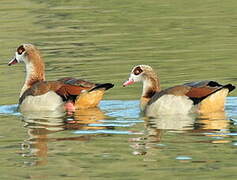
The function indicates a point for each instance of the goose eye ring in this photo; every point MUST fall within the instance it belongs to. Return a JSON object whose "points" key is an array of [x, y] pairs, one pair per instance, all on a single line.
{"points": [[137, 70], [20, 50]]}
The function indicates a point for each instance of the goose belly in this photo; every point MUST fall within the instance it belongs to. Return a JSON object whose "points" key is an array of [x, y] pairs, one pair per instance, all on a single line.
{"points": [[169, 104], [46, 102]]}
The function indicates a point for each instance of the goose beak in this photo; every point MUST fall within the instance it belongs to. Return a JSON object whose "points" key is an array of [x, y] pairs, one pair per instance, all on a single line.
{"points": [[13, 61], [128, 82]]}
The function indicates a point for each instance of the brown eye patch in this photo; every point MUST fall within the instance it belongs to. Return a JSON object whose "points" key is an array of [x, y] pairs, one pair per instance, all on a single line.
{"points": [[137, 70], [20, 49]]}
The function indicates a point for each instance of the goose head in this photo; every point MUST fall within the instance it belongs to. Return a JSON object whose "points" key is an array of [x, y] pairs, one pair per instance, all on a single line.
{"points": [[140, 73], [23, 53]]}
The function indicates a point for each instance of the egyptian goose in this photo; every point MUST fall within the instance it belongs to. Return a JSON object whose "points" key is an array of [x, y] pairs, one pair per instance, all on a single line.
{"points": [[201, 96], [37, 94]]}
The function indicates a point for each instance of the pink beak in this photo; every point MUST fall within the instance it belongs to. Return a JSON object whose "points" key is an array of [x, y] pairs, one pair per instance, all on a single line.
{"points": [[128, 82], [13, 61]]}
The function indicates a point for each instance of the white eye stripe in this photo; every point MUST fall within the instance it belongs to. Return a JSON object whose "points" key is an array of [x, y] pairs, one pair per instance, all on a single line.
{"points": [[135, 78]]}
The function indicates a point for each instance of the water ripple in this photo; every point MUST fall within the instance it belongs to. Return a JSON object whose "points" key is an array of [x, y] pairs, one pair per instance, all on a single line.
{"points": [[111, 125], [118, 108], [106, 132], [183, 158]]}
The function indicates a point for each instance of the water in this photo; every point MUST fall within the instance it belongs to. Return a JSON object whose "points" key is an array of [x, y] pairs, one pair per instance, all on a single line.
{"points": [[101, 41], [114, 140]]}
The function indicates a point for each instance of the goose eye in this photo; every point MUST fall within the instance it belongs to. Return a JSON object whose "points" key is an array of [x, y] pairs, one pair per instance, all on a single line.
{"points": [[137, 71], [20, 49]]}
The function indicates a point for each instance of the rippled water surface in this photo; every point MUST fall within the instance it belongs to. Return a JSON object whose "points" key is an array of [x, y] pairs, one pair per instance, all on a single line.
{"points": [[100, 41]]}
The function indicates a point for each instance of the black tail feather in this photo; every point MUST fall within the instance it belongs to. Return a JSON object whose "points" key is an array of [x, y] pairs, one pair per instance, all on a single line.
{"points": [[229, 86], [105, 86]]}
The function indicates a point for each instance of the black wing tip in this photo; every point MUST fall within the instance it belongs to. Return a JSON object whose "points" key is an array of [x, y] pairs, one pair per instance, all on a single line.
{"points": [[229, 86], [105, 86], [213, 84]]}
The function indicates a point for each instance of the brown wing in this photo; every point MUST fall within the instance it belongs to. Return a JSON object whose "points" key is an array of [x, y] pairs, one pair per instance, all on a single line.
{"points": [[77, 82], [180, 90], [73, 87], [68, 88], [202, 89], [196, 91], [66, 91], [201, 92]]}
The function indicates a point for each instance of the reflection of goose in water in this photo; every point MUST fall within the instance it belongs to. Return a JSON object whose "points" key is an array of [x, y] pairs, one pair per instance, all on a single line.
{"points": [[203, 123], [47, 119], [213, 121], [172, 122], [213, 125], [40, 125], [155, 128], [84, 117]]}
